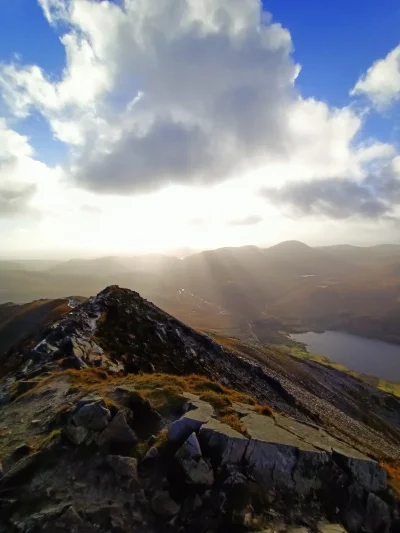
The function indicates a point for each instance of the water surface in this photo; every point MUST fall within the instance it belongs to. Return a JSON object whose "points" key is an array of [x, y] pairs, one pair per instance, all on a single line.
{"points": [[366, 356]]}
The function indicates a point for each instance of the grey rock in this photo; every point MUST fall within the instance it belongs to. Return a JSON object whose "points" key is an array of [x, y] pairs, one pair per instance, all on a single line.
{"points": [[151, 456], [22, 469], [72, 361], [197, 471], [236, 490], [196, 414], [21, 451], [377, 516], [41, 519], [285, 467], [93, 416], [222, 444], [190, 449], [123, 466], [369, 474], [70, 517], [88, 400], [151, 440], [66, 345], [163, 505], [141, 407], [75, 434], [353, 515], [118, 431], [4, 398]]}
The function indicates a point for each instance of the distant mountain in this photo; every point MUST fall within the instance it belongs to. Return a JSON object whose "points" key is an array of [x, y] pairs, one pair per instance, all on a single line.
{"points": [[112, 265], [247, 291], [364, 255]]}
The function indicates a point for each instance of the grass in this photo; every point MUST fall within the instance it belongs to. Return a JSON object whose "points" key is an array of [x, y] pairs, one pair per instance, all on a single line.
{"points": [[265, 410], [386, 386], [164, 391], [231, 419], [49, 439], [218, 401]]}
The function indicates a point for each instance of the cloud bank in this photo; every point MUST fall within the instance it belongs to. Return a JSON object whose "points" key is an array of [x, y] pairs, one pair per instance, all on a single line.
{"points": [[375, 196], [192, 95]]}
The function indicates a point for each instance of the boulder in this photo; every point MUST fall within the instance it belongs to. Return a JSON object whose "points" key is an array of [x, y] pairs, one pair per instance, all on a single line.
{"points": [[75, 434], [152, 456], [123, 466], [237, 491], [118, 432], [197, 413], [190, 449], [89, 399], [70, 518], [141, 407], [222, 444], [369, 474], [93, 415], [163, 505], [196, 470], [72, 361], [377, 516], [125, 471]]}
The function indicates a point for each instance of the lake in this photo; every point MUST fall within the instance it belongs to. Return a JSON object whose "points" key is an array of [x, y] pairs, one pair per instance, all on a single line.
{"points": [[366, 356]]}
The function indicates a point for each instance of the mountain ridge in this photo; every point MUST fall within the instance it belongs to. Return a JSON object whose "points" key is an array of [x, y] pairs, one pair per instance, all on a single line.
{"points": [[119, 398]]}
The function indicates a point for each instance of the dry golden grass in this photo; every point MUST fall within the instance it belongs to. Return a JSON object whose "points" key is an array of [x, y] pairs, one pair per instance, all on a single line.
{"points": [[231, 419], [265, 410], [393, 472], [162, 390]]}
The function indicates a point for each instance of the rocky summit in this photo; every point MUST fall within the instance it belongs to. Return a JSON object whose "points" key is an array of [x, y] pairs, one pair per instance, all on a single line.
{"points": [[120, 418]]}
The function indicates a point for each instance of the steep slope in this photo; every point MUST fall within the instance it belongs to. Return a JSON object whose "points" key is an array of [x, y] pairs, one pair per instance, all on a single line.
{"points": [[18, 322], [119, 416]]}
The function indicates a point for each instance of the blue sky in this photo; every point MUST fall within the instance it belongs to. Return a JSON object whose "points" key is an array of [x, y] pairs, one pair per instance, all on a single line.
{"points": [[91, 143], [336, 41]]}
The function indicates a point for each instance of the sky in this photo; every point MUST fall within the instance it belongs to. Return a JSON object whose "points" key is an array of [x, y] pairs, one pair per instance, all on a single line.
{"points": [[129, 126]]}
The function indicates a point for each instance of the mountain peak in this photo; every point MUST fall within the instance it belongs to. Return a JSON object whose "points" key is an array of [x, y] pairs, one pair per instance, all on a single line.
{"points": [[290, 245]]}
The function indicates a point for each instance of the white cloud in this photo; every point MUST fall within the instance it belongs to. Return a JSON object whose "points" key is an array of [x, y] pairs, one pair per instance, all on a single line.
{"points": [[54, 9], [16, 190], [180, 93], [215, 85], [381, 82]]}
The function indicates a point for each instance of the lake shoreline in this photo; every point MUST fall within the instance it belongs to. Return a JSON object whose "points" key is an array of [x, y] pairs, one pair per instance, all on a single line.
{"points": [[372, 357]]}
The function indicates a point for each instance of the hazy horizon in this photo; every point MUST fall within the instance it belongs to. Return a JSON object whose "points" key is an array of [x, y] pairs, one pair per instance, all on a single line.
{"points": [[180, 253]]}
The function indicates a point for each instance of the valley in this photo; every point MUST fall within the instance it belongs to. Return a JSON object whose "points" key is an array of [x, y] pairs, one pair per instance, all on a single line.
{"points": [[246, 291]]}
